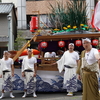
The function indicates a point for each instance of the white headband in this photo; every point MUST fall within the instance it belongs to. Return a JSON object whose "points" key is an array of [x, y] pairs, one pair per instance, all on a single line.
{"points": [[86, 39], [71, 44], [5, 52], [29, 49]]}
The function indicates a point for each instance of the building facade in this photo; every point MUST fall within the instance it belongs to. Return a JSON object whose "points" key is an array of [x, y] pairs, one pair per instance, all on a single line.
{"points": [[20, 5], [28, 8], [8, 27]]}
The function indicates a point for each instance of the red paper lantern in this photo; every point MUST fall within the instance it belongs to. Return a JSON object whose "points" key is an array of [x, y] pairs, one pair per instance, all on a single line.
{"points": [[95, 42], [78, 43], [33, 24], [31, 27], [61, 43], [43, 44]]}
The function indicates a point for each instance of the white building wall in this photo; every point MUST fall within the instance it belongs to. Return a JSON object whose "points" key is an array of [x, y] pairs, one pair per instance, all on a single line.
{"points": [[21, 12], [21, 7]]}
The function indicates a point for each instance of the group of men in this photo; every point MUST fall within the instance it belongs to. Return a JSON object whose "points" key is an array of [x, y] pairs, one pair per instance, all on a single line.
{"points": [[85, 68], [29, 71]]}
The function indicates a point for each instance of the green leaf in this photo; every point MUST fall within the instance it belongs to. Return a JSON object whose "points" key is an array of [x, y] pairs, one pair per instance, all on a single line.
{"points": [[72, 13]]}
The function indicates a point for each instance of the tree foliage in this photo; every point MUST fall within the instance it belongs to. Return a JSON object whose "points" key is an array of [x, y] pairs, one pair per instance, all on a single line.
{"points": [[19, 42], [72, 13], [58, 17]]}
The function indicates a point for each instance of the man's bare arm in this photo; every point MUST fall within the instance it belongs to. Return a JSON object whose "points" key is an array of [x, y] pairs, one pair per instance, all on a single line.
{"points": [[35, 69], [12, 68]]}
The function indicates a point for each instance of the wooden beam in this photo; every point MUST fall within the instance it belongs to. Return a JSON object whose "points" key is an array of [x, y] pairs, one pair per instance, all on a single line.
{"points": [[65, 37]]}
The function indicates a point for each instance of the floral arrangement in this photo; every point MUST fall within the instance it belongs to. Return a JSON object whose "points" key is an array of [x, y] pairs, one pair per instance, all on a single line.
{"points": [[70, 16], [70, 28]]}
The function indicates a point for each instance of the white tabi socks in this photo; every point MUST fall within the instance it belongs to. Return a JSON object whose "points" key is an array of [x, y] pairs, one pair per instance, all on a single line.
{"points": [[11, 95], [2, 96], [24, 95], [34, 95]]}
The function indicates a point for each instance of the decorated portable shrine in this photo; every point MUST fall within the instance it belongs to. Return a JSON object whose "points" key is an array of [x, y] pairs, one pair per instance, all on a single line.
{"points": [[54, 43], [48, 77]]}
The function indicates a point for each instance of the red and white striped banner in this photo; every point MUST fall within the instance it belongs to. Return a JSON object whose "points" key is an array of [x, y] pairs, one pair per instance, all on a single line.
{"points": [[95, 22]]}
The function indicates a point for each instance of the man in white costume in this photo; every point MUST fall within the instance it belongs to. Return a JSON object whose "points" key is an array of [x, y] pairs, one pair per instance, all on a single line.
{"points": [[6, 72], [69, 62], [88, 71], [50, 54], [29, 70]]}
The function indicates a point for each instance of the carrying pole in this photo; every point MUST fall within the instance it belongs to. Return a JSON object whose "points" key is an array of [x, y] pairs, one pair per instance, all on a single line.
{"points": [[25, 46]]}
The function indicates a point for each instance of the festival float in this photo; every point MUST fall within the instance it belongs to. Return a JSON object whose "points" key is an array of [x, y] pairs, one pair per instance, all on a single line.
{"points": [[69, 27]]}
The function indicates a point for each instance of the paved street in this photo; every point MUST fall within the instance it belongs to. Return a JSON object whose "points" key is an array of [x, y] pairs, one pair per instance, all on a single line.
{"points": [[45, 96]]}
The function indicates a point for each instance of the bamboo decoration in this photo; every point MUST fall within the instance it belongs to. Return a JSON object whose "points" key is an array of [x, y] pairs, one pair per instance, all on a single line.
{"points": [[25, 46], [44, 24]]}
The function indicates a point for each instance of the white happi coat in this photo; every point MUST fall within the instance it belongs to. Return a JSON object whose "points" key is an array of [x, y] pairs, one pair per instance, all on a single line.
{"points": [[69, 59]]}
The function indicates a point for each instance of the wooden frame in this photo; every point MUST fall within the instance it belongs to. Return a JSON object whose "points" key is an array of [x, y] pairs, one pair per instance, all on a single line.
{"points": [[49, 60], [65, 37], [46, 64]]}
